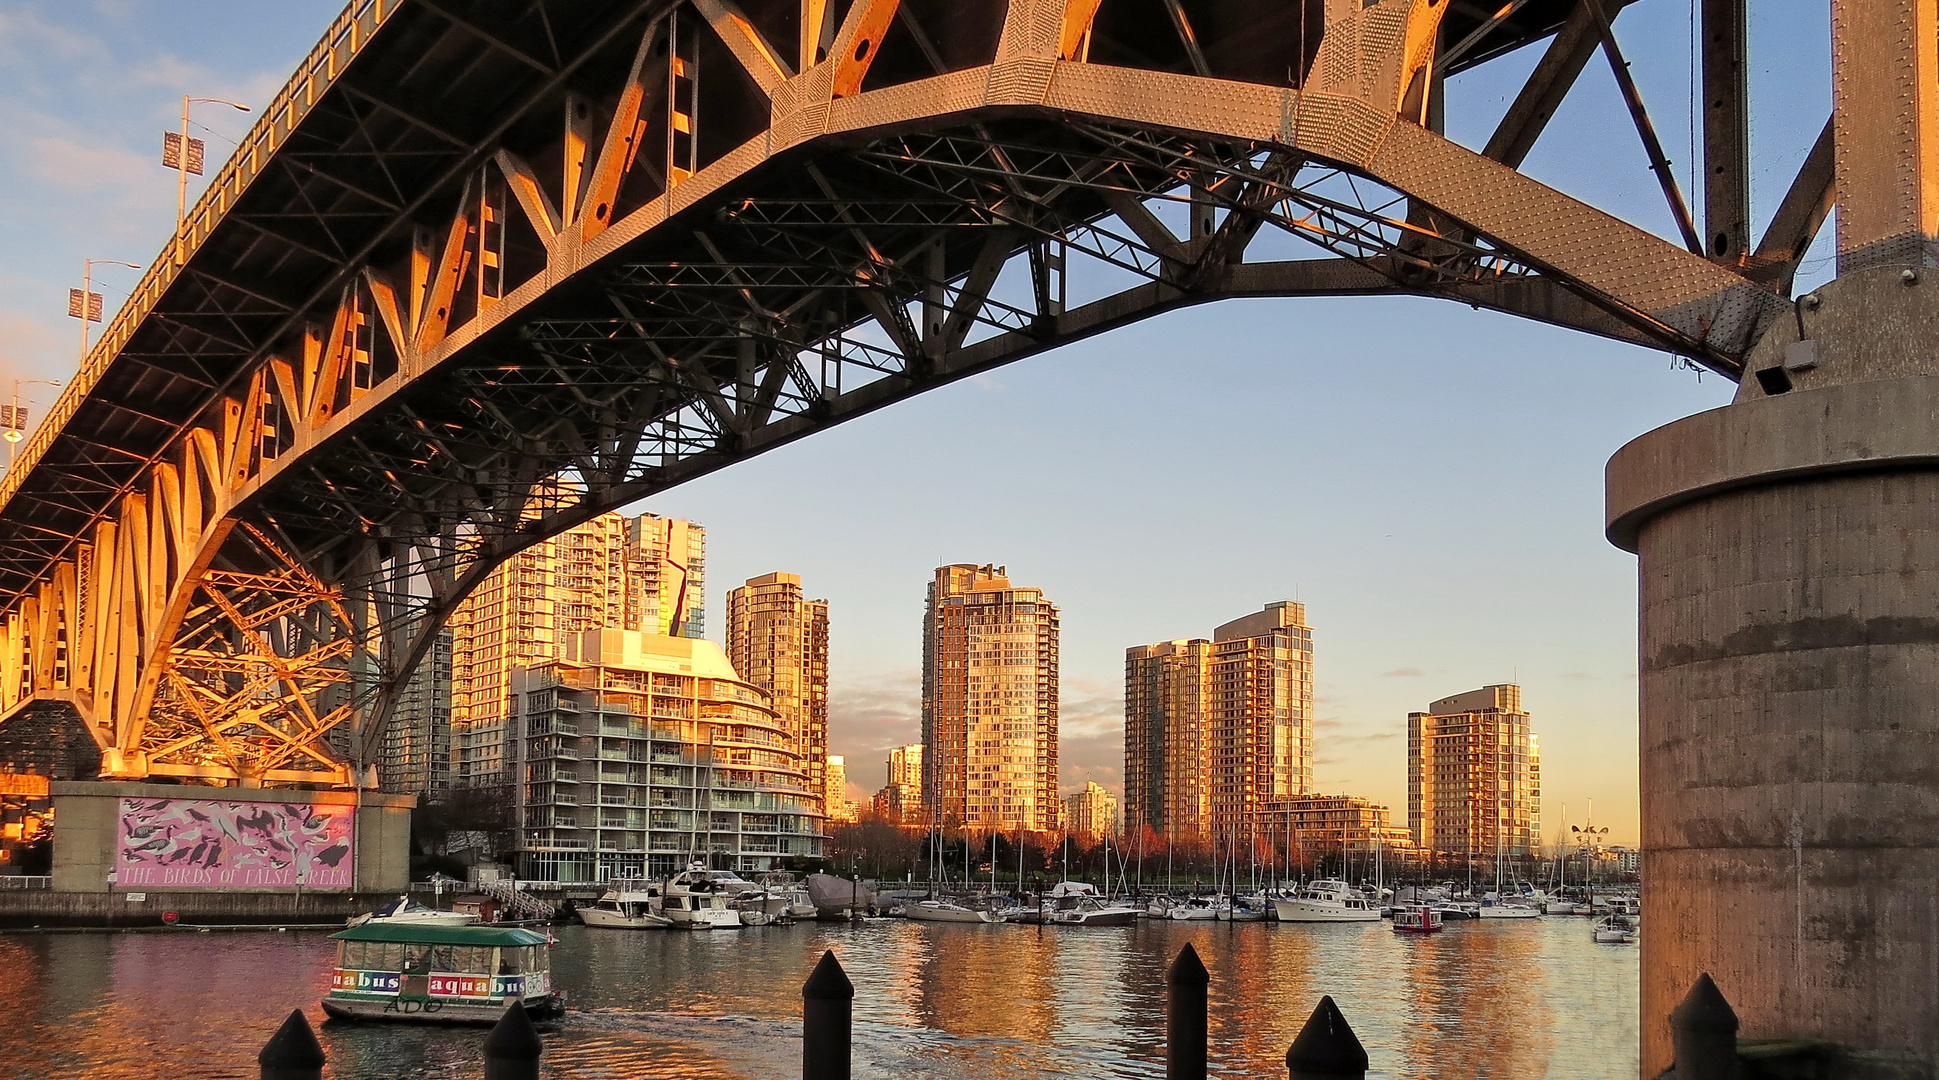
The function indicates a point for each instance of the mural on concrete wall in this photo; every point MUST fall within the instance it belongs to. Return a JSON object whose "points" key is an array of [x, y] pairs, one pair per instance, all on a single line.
{"points": [[208, 843]]}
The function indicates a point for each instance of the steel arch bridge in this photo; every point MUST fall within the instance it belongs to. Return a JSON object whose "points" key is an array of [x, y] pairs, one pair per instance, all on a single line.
{"points": [[486, 270]]}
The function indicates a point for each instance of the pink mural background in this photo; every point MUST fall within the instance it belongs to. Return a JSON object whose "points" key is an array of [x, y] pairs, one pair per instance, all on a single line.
{"points": [[208, 843]]}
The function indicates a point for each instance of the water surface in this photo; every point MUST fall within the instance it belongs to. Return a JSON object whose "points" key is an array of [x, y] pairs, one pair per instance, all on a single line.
{"points": [[1512, 1001]]}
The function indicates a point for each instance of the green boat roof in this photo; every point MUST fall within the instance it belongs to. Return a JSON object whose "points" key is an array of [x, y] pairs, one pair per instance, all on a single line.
{"points": [[488, 936]]}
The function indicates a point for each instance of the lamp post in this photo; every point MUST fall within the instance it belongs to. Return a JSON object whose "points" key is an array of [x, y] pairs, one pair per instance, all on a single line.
{"points": [[15, 420], [87, 306], [188, 159]]}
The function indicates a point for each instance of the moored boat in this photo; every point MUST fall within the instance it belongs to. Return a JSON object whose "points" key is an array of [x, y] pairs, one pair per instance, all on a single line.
{"points": [[1244, 909], [1193, 909], [698, 898], [405, 911], [1418, 920], [430, 974], [946, 911], [1084, 910], [1615, 930], [837, 897], [1495, 906], [627, 904], [783, 884], [1326, 901]]}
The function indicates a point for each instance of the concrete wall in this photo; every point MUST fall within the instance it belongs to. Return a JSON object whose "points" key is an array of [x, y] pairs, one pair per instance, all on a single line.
{"points": [[1789, 664], [87, 816], [29, 908]]}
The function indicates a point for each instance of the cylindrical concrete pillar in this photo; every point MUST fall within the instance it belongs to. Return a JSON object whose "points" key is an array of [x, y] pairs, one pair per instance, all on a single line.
{"points": [[1788, 552]]}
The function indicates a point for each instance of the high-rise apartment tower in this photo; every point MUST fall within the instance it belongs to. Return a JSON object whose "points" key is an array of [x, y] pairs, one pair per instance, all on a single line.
{"points": [[646, 573], [1474, 777], [418, 756], [1091, 813], [1215, 729], [834, 789], [778, 641], [989, 701], [900, 799]]}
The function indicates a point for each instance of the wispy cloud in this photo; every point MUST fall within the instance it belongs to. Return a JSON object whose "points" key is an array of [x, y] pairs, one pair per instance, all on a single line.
{"points": [[1090, 736], [1402, 673], [868, 717], [1580, 676]]}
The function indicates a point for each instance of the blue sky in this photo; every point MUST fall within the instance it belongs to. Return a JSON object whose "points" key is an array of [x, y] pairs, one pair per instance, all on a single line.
{"points": [[1425, 477]]}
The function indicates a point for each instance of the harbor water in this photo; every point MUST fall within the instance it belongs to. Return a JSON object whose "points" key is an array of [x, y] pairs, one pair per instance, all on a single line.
{"points": [[1505, 1000]]}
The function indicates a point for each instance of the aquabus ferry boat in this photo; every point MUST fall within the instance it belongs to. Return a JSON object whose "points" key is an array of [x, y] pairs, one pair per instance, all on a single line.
{"points": [[441, 974]]}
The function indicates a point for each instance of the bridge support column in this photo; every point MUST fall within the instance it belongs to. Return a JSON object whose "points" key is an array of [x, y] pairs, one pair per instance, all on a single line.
{"points": [[1788, 551]]}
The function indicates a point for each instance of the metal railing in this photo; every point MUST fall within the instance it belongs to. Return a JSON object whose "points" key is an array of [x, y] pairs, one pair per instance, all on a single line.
{"points": [[21, 881], [345, 38]]}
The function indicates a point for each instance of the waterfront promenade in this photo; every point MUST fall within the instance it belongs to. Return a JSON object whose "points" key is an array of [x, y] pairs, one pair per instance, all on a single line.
{"points": [[942, 1002]]}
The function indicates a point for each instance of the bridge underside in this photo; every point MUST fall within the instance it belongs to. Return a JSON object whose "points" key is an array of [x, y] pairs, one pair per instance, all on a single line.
{"points": [[482, 276]]}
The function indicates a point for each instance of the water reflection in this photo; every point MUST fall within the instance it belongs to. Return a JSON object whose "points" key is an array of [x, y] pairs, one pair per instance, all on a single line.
{"points": [[1516, 1002]]}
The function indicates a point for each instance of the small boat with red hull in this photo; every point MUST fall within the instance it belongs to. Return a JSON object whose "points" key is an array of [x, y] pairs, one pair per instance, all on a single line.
{"points": [[1418, 920]]}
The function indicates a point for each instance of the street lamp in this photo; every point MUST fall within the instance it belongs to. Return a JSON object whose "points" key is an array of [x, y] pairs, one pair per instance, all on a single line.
{"points": [[14, 419], [184, 155], [85, 305]]}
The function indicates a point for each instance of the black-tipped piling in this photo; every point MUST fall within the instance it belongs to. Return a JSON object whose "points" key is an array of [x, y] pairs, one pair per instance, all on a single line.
{"points": [[827, 1017], [1327, 1048], [1185, 992], [513, 1047], [293, 1052], [1704, 1027]]}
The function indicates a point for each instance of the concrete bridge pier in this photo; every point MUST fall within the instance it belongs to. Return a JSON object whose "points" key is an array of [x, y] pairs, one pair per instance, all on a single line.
{"points": [[1788, 549]]}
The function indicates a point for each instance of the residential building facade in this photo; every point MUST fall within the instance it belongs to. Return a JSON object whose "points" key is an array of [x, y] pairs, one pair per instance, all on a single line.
{"points": [[834, 789], [1167, 784], [645, 573], [900, 799], [1215, 729], [1091, 814], [1474, 783], [989, 701], [419, 753], [778, 640], [634, 753], [1324, 826]]}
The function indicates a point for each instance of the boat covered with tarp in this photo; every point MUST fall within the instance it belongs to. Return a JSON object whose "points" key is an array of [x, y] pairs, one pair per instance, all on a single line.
{"points": [[441, 974], [838, 896]]}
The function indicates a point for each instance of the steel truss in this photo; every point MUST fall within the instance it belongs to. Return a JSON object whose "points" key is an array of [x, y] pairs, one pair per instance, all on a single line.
{"points": [[746, 228]]}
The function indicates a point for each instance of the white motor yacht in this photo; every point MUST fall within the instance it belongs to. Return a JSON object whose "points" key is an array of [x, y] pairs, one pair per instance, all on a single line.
{"points": [[946, 911], [701, 899], [1326, 901], [781, 883], [405, 911], [627, 904], [1194, 908], [1088, 910]]}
